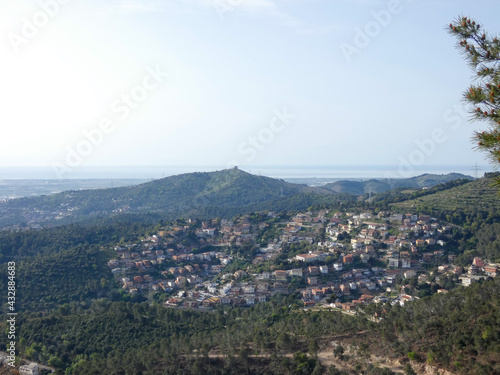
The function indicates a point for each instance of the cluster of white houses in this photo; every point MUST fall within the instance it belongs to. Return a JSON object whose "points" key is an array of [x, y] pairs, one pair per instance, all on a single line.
{"points": [[194, 278]]}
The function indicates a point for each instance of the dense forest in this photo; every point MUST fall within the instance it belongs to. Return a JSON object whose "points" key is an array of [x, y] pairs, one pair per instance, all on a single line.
{"points": [[63, 264], [88, 339], [459, 330]]}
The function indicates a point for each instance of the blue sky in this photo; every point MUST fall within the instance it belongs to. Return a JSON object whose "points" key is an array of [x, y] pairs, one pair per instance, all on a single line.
{"points": [[224, 82]]}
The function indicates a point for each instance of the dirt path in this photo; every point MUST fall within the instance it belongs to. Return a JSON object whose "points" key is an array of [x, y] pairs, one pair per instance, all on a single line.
{"points": [[327, 358], [395, 368]]}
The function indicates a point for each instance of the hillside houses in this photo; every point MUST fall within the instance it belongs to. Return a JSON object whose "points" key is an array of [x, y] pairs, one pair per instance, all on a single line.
{"points": [[350, 257]]}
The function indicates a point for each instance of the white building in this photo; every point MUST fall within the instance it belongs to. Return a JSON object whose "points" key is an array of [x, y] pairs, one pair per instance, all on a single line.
{"points": [[410, 273], [393, 262], [296, 272], [405, 263], [307, 257]]}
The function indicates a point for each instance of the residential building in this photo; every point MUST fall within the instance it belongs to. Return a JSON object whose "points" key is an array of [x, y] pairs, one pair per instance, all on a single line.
{"points": [[313, 270], [478, 262], [280, 274], [405, 263], [307, 257], [349, 258], [296, 272], [312, 280], [409, 273], [491, 270], [180, 281], [393, 263], [31, 369]]}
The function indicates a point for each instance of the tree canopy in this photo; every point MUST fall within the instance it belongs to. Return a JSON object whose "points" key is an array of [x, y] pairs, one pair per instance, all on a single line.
{"points": [[482, 51]]}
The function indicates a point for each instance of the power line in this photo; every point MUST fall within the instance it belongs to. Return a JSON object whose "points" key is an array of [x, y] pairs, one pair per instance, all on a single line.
{"points": [[476, 168]]}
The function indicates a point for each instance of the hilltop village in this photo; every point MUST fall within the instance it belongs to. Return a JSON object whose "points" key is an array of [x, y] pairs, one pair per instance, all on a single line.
{"points": [[327, 259]]}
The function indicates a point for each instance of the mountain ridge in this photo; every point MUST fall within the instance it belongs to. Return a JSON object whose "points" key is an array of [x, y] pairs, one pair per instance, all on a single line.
{"points": [[223, 193], [189, 193], [376, 185]]}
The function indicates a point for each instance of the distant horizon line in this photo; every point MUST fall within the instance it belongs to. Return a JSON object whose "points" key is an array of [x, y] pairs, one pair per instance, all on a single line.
{"points": [[275, 171], [243, 166]]}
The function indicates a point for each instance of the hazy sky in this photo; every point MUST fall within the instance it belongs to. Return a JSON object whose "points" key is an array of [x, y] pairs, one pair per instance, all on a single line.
{"points": [[246, 82]]}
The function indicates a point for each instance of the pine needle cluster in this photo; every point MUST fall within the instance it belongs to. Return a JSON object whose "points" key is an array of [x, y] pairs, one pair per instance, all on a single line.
{"points": [[482, 52]]}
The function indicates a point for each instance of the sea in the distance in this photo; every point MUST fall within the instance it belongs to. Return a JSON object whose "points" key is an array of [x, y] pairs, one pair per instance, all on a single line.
{"points": [[26, 182], [156, 172]]}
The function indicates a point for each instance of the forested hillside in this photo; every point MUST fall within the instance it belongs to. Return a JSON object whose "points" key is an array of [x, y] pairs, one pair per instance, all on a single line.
{"points": [[132, 338], [222, 193], [377, 186], [459, 331], [59, 265], [476, 195]]}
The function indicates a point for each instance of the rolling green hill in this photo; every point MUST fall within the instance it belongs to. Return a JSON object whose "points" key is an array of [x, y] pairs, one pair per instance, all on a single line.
{"points": [[376, 186], [222, 193], [477, 195]]}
